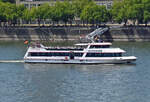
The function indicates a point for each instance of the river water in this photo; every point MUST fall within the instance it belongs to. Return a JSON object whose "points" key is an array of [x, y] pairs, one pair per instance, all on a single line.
{"points": [[20, 82]]}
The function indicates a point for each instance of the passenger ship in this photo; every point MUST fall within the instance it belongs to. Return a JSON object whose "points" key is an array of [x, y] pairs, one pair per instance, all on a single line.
{"points": [[82, 53]]}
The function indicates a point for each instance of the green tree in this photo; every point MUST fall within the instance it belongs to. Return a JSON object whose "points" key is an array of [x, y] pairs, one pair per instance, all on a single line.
{"points": [[20, 11], [93, 13], [61, 11], [2, 10], [41, 13], [119, 12], [146, 17], [78, 6], [135, 10], [27, 15], [33, 13], [67, 12], [11, 1], [10, 13], [146, 4], [56, 12], [130, 10]]}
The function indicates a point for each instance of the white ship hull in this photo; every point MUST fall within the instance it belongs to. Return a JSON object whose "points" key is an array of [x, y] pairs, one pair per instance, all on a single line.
{"points": [[120, 60], [86, 53]]}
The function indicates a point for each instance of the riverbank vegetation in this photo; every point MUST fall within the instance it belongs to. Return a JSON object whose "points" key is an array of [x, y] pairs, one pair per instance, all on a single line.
{"points": [[86, 11]]}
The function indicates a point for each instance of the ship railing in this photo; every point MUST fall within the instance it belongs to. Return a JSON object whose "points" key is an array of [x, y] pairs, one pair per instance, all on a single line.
{"points": [[36, 45], [96, 32]]}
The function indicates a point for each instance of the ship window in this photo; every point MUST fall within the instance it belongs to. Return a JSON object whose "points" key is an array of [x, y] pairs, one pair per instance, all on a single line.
{"points": [[92, 55], [40, 54], [103, 55], [78, 54], [34, 54], [99, 46], [108, 55], [48, 54], [60, 54], [118, 54], [106, 46]]}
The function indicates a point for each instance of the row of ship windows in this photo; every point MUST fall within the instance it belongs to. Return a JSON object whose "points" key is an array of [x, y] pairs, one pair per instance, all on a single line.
{"points": [[96, 46], [103, 55], [78, 54], [56, 54]]}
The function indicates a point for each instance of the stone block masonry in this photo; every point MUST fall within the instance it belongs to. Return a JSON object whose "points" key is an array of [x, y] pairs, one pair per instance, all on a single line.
{"points": [[128, 34], [73, 33]]}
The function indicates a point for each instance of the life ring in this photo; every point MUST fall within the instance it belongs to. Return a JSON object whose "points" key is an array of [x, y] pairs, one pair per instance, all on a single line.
{"points": [[66, 58]]}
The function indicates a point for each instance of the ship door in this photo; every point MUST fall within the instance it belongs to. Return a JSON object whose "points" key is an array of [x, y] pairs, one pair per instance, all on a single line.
{"points": [[71, 55]]}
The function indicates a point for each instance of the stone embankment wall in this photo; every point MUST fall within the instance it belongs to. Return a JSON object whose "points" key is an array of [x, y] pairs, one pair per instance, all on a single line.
{"points": [[44, 33], [128, 34], [73, 33]]}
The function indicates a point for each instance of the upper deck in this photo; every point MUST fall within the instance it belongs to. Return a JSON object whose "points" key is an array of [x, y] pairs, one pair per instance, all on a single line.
{"points": [[77, 47], [80, 48]]}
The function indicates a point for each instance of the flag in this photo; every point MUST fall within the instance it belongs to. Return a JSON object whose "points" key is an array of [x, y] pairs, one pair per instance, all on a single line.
{"points": [[26, 42]]}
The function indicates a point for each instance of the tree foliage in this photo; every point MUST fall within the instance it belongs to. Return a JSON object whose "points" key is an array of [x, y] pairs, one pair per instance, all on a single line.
{"points": [[86, 10], [146, 4], [8, 12], [134, 10], [2, 10], [78, 6], [93, 13], [11, 1], [27, 15], [119, 12]]}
